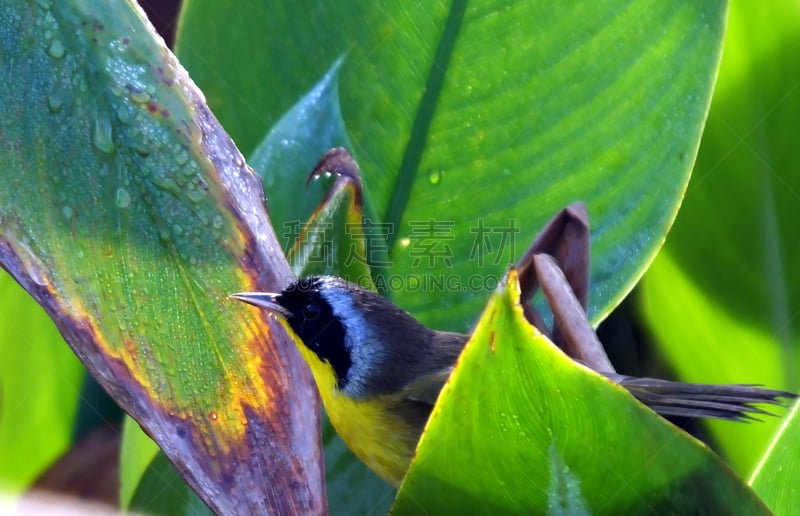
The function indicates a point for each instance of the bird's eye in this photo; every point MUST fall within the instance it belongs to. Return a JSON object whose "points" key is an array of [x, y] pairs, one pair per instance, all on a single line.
{"points": [[311, 311]]}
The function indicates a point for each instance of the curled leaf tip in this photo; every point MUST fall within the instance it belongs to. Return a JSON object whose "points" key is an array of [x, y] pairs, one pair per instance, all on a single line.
{"points": [[579, 212], [511, 282], [339, 162]]}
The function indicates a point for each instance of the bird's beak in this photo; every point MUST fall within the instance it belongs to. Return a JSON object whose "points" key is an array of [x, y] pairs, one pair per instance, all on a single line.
{"points": [[265, 300]]}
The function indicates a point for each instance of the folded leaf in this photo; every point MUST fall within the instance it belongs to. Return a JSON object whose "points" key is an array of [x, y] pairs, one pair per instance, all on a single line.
{"points": [[521, 428], [129, 215]]}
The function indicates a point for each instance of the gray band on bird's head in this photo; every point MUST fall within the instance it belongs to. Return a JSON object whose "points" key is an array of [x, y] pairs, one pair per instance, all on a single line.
{"points": [[364, 347]]}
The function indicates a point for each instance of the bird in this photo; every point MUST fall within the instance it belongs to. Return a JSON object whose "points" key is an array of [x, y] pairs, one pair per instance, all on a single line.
{"points": [[379, 370]]}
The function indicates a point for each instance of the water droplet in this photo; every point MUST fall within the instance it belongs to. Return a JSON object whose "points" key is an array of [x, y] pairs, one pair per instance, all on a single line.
{"points": [[197, 195], [123, 198], [435, 176], [67, 212], [168, 184], [103, 137], [140, 97], [141, 146], [178, 230], [55, 101], [56, 49], [212, 415], [181, 157], [217, 221], [123, 114], [405, 241], [189, 171]]}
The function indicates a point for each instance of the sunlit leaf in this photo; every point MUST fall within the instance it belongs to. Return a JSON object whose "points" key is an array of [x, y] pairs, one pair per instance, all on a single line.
{"points": [[723, 297], [521, 428], [777, 474], [40, 381], [137, 452], [475, 122], [129, 215]]}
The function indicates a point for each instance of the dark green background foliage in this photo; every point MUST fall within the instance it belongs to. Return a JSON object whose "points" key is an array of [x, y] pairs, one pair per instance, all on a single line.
{"points": [[472, 122]]}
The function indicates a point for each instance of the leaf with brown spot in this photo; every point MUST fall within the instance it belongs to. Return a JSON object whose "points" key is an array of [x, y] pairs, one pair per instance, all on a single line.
{"points": [[130, 226]]}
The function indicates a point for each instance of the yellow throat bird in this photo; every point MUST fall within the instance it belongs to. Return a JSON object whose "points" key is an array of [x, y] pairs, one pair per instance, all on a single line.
{"points": [[379, 370]]}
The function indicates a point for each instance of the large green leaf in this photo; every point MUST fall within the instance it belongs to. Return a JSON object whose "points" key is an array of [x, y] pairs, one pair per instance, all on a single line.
{"points": [[129, 215], [776, 477], [324, 245], [520, 428], [724, 295], [477, 121], [288, 153], [40, 382]]}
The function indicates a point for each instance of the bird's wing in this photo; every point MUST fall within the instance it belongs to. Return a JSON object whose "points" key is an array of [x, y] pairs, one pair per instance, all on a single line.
{"points": [[426, 388]]}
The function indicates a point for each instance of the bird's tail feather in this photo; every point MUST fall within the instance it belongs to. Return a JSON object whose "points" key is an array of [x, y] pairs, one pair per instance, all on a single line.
{"points": [[733, 402]]}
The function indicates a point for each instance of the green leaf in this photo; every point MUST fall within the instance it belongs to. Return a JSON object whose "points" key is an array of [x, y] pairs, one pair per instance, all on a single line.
{"points": [[129, 215], [137, 452], [40, 384], [723, 296], [163, 491], [288, 153], [521, 428], [777, 474], [477, 121], [322, 247]]}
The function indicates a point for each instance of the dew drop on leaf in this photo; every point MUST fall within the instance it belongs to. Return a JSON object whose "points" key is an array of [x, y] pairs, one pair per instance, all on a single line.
{"points": [[56, 49], [54, 102], [103, 138], [123, 198]]}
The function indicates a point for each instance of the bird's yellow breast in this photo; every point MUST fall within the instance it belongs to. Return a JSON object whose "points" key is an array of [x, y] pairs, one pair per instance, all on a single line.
{"points": [[376, 433]]}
